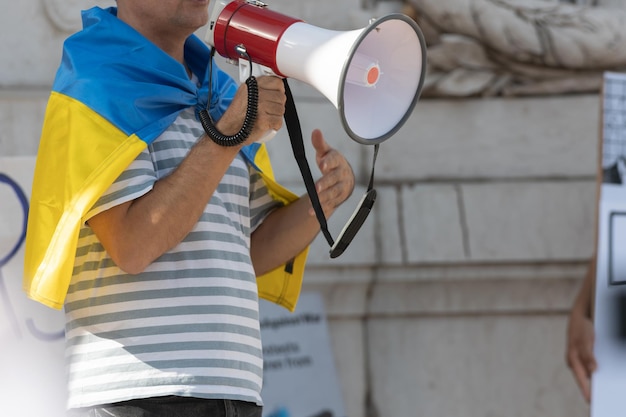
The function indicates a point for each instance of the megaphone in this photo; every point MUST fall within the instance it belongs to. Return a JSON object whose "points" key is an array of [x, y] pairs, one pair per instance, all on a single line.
{"points": [[373, 76]]}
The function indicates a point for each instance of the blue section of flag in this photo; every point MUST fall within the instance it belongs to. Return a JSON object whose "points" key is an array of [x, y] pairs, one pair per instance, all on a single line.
{"points": [[119, 74]]}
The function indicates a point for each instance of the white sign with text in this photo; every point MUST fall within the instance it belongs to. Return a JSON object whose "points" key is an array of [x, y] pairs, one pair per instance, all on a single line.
{"points": [[300, 378]]}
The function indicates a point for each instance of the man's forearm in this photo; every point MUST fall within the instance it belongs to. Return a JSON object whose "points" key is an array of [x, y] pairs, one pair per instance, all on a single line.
{"points": [[137, 233], [285, 233]]}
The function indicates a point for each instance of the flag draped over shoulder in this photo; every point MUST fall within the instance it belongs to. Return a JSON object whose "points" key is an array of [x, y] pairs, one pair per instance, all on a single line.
{"points": [[114, 93]]}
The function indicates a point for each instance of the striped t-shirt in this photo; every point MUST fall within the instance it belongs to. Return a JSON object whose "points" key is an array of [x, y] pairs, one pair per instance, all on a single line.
{"points": [[188, 325]]}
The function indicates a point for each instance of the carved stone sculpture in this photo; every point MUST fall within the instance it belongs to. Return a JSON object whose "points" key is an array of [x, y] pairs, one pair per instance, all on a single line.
{"points": [[519, 47]]}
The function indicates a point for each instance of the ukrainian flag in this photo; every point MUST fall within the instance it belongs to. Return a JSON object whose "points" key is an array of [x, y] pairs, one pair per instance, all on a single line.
{"points": [[114, 93]]}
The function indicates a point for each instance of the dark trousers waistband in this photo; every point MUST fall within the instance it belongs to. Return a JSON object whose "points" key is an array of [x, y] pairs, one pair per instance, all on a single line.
{"points": [[171, 406]]}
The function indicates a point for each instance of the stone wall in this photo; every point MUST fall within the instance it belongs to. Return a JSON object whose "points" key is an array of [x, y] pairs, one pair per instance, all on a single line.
{"points": [[452, 300]]}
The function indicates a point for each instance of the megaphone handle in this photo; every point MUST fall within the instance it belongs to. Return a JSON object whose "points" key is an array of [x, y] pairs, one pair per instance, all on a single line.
{"points": [[248, 123], [297, 144]]}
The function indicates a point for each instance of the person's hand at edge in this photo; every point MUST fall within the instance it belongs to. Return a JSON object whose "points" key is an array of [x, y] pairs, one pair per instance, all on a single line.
{"points": [[337, 181], [580, 338]]}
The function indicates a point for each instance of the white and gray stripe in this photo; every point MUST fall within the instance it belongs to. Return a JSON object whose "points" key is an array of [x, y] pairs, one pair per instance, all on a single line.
{"points": [[189, 324]]}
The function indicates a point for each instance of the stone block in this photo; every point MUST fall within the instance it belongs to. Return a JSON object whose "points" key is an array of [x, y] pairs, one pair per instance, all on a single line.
{"points": [[472, 366], [540, 221], [21, 118], [33, 33], [347, 341], [387, 213], [432, 225], [495, 138]]}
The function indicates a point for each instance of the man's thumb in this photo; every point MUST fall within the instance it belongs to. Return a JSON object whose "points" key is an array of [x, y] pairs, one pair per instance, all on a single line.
{"points": [[319, 143]]}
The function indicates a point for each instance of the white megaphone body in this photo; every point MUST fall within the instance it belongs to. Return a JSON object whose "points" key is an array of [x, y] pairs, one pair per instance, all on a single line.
{"points": [[373, 76]]}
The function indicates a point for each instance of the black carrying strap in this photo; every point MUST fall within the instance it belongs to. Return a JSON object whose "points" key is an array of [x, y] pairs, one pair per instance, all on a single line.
{"points": [[365, 205], [297, 144]]}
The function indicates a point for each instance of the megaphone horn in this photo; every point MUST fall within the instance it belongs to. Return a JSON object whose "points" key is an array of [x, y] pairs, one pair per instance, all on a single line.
{"points": [[373, 76]]}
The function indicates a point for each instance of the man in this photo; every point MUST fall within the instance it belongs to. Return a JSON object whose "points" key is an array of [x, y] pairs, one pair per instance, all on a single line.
{"points": [[162, 307]]}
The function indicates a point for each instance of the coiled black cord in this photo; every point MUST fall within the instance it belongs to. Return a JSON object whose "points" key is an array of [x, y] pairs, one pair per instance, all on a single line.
{"points": [[248, 122]]}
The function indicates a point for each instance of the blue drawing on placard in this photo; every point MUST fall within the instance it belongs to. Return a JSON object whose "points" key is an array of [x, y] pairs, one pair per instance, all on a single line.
{"points": [[4, 293], [4, 260], [24, 203]]}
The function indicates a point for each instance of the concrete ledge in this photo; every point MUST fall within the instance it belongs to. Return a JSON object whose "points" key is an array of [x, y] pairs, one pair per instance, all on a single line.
{"points": [[353, 293], [473, 298]]}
